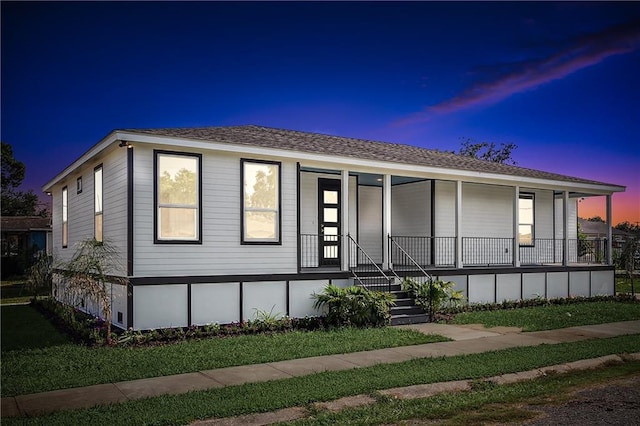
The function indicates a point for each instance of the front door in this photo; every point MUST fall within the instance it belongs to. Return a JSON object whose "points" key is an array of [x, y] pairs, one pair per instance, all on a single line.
{"points": [[329, 221]]}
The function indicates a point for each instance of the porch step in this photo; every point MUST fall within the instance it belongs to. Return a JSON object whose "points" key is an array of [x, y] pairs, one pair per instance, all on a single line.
{"points": [[406, 310], [409, 319]]}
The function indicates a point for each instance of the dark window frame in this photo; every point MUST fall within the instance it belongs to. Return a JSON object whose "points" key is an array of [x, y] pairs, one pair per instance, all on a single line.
{"points": [[156, 240], [244, 241], [528, 196]]}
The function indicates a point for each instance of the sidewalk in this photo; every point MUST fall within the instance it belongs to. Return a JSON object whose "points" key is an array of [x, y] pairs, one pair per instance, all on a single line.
{"points": [[466, 340]]}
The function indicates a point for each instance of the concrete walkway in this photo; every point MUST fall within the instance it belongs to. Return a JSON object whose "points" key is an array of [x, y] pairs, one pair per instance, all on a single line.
{"points": [[466, 340]]}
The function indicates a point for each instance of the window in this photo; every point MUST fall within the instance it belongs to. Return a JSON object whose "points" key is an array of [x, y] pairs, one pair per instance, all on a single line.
{"points": [[97, 203], [79, 185], [260, 202], [177, 195], [65, 217], [526, 219]]}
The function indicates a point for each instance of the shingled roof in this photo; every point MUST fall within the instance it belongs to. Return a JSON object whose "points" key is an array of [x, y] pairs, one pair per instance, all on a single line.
{"points": [[316, 143], [24, 223]]}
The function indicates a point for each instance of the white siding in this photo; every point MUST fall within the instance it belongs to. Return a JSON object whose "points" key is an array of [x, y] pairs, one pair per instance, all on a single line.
{"points": [[370, 221], [221, 251], [445, 208], [487, 212], [81, 209], [544, 250], [411, 209]]}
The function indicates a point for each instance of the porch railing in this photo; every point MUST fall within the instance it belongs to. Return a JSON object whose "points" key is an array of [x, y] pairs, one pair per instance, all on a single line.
{"points": [[587, 251], [425, 251], [407, 253], [486, 251], [309, 250], [365, 271], [541, 251], [415, 271]]}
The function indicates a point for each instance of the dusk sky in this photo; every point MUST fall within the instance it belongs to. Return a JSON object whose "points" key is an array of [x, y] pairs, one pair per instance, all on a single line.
{"points": [[560, 80]]}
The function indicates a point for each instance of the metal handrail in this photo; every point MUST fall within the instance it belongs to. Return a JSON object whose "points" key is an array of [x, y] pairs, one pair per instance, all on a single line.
{"points": [[425, 273], [370, 261]]}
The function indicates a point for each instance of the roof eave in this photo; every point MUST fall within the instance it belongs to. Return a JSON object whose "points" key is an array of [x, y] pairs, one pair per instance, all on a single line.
{"points": [[378, 165]]}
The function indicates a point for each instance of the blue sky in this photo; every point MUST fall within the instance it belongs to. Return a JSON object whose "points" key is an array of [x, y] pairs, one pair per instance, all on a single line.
{"points": [[560, 80]]}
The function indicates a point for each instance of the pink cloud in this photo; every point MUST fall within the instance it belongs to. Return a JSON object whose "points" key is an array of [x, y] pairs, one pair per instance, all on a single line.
{"points": [[587, 51]]}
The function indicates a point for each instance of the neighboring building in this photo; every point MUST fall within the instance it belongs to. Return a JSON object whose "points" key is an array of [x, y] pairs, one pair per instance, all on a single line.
{"points": [[216, 223], [22, 238]]}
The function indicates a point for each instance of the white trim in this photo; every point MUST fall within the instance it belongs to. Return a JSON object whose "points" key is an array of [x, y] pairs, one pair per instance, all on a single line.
{"points": [[332, 161], [344, 220], [386, 221]]}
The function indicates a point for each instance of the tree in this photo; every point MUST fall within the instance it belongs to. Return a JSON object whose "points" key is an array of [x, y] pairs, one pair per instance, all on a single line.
{"points": [[88, 274], [627, 226], [488, 151], [15, 202], [595, 219]]}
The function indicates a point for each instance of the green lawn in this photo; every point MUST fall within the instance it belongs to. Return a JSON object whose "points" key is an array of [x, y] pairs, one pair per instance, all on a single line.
{"points": [[24, 328], [31, 364], [14, 291], [623, 284], [486, 403], [300, 391], [554, 316]]}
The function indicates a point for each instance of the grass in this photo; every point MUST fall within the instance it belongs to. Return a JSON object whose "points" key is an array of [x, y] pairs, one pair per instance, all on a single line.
{"points": [[485, 404], [24, 328], [26, 369], [300, 391], [623, 284], [551, 317], [14, 291]]}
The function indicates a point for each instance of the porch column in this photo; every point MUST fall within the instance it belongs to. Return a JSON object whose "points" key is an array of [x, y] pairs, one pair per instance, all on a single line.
{"points": [[459, 224], [516, 228], [609, 232], [565, 227], [344, 221], [386, 221]]}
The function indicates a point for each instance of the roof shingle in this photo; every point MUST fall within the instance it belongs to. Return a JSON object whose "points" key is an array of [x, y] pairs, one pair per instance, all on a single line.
{"points": [[316, 143]]}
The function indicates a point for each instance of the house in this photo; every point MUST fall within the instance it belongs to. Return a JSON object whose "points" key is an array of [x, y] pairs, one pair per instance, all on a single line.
{"points": [[215, 224], [596, 237], [22, 237]]}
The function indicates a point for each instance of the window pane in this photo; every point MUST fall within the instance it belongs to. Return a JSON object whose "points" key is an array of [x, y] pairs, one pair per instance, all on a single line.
{"points": [[331, 214], [178, 179], [177, 223], [98, 227], [261, 225], [525, 234], [330, 197], [260, 185], [526, 211], [330, 230], [65, 234], [97, 185], [64, 205]]}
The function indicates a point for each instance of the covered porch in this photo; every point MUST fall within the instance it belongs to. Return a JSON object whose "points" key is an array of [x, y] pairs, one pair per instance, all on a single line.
{"points": [[362, 221]]}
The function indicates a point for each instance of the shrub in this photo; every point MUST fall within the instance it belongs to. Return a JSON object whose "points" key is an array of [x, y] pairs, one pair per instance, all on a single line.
{"points": [[40, 274], [355, 306], [92, 331], [433, 295]]}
